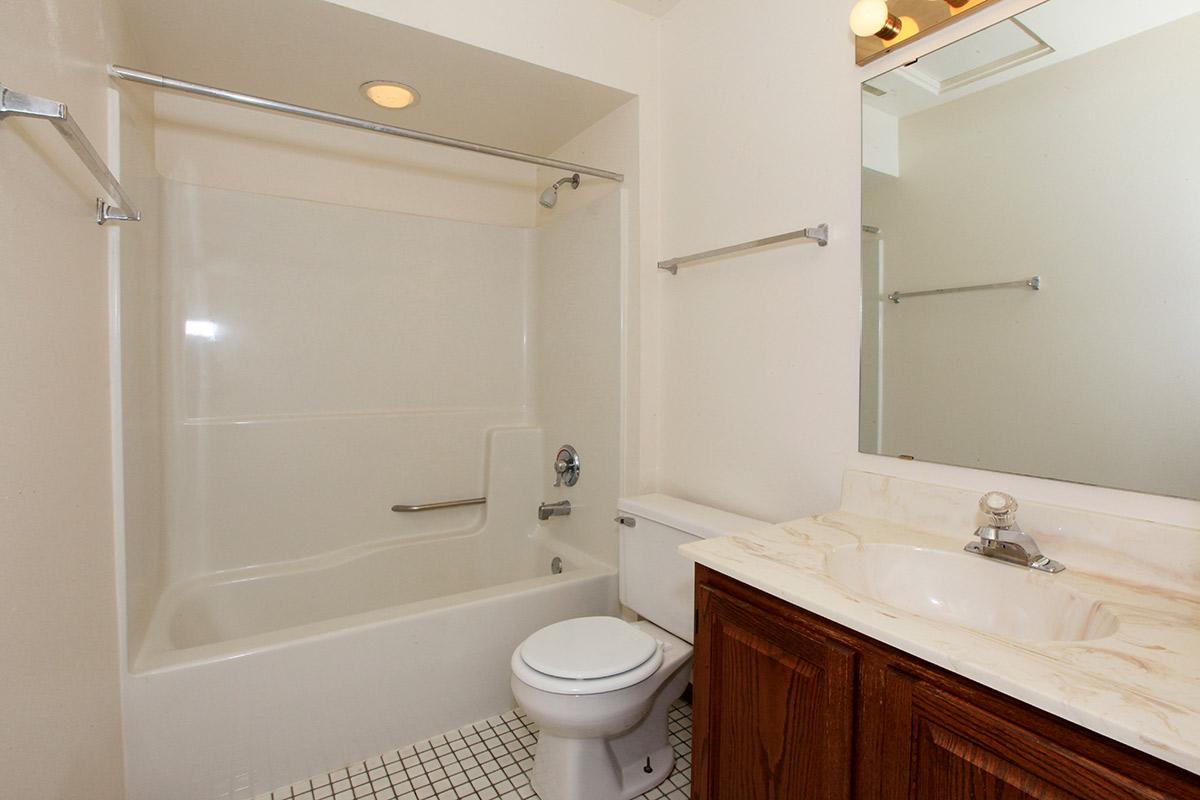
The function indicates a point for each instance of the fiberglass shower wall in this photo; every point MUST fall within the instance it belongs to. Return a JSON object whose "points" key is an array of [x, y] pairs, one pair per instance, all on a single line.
{"points": [[327, 362], [300, 354]]}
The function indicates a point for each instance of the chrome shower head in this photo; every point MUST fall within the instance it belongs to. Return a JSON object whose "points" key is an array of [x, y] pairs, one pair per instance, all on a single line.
{"points": [[550, 196]]}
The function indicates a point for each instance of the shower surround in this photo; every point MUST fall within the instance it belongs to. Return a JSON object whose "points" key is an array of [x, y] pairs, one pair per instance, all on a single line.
{"points": [[291, 369]]}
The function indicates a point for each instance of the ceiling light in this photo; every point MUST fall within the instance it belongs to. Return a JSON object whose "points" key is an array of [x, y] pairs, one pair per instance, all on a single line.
{"points": [[390, 94]]}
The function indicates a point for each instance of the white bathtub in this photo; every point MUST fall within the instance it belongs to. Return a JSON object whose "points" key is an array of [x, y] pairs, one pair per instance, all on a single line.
{"points": [[255, 678]]}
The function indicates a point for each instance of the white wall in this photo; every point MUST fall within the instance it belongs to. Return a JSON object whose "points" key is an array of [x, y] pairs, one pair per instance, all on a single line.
{"points": [[61, 735], [360, 357], [761, 134], [1095, 383], [579, 365], [880, 141], [759, 353], [393, 388], [212, 144], [611, 44], [589, 314], [135, 333]]}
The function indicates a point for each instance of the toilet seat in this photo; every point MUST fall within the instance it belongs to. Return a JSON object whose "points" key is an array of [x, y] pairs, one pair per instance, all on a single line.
{"points": [[587, 655], [587, 647]]}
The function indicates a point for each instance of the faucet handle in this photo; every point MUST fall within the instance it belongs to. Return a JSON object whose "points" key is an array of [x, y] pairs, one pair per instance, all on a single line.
{"points": [[566, 466], [999, 508]]}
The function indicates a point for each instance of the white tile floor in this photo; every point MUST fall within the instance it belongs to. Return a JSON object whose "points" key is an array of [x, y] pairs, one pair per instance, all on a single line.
{"points": [[484, 761]]}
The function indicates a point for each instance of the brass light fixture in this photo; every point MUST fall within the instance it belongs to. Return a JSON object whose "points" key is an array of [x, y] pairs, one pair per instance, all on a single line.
{"points": [[881, 27], [873, 18]]}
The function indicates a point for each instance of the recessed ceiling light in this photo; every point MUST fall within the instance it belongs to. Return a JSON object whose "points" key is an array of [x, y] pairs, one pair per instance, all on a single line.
{"points": [[390, 94]]}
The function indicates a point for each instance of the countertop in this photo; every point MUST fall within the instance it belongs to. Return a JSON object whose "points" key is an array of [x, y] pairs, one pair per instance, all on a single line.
{"points": [[1139, 685]]}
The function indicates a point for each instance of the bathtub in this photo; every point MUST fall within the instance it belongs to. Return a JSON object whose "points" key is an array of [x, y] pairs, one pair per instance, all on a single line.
{"points": [[255, 678]]}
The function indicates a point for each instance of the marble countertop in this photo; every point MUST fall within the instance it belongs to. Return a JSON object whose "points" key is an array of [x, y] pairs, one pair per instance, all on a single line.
{"points": [[1139, 685]]}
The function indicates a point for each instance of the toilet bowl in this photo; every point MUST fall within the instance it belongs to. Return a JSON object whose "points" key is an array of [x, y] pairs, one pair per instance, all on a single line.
{"points": [[599, 689]]}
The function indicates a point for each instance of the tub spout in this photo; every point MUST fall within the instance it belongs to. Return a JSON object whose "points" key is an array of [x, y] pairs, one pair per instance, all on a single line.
{"points": [[560, 509]]}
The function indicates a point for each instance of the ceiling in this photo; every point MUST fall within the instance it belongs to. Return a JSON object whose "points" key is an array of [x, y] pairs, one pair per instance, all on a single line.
{"points": [[317, 54], [653, 7], [1045, 34]]}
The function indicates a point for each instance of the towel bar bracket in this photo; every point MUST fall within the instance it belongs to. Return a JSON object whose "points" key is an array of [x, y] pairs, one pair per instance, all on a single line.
{"points": [[19, 104]]}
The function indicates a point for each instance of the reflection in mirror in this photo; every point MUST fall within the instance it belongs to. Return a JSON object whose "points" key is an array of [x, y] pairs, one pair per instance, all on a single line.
{"points": [[1059, 144]]}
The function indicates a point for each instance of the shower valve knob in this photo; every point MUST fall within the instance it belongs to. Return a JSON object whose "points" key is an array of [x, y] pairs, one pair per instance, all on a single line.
{"points": [[566, 466]]}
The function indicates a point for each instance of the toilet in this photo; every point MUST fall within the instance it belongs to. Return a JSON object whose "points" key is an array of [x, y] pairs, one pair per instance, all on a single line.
{"points": [[599, 688]]}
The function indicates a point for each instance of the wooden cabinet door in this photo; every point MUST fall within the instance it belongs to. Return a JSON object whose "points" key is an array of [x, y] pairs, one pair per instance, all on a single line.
{"points": [[774, 706], [940, 746]]}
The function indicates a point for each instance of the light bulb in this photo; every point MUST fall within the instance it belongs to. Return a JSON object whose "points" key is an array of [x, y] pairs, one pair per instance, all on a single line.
{"points": [[908, 28], [961, 7], [869, 17], [390, 94]]}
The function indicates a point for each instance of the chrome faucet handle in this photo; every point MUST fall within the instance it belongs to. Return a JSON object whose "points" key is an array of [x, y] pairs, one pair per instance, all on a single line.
{"points": [[999, 508], [1002, 538], [566, 466]]}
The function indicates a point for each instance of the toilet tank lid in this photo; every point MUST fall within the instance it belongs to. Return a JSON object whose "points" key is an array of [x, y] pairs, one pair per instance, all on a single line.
{"points": [[703, 521]]}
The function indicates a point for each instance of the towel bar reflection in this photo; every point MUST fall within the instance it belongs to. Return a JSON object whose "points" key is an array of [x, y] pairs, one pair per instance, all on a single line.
{"points": [[1034, 283], [474, 501], [16, 104], [819, 234]]}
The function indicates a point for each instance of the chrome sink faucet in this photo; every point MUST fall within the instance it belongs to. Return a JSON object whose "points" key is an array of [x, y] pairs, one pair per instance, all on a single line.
{"points": [[560, 509], [1003, 539]]}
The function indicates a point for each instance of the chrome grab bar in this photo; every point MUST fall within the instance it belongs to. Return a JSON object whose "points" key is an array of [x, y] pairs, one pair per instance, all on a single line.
{"points": [[16, 104], [474, 501]]}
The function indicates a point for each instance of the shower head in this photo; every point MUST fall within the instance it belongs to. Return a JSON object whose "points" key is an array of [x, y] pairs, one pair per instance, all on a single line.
{"points": [[550, 196]]}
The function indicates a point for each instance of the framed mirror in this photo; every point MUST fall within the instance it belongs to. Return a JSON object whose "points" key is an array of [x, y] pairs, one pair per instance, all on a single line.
{"points": [[1031, 249]]}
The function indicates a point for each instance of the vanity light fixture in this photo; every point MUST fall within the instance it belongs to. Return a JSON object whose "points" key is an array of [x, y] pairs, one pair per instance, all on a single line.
{"points": [[872, 18], [390, 94], [959, 6]]}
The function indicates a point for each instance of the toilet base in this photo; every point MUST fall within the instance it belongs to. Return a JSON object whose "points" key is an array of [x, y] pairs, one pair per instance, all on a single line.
{"points": [[586, 769], [567, 768]]}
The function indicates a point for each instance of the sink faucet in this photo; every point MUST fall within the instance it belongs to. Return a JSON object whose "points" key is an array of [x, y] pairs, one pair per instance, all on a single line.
{"points": [[560, 509], [1003, 539]]}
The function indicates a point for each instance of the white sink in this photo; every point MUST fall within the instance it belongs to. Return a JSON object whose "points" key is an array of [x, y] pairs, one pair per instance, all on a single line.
{"points": [[970, 591]]}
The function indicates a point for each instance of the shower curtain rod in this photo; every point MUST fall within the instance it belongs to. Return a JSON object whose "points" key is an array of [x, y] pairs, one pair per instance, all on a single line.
{"points": [[163, 82]]}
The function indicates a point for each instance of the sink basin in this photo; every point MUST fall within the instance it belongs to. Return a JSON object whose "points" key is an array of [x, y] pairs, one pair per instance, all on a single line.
{"points": [[970, 591]]}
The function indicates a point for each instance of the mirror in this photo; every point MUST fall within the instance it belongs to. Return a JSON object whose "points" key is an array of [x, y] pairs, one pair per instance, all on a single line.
{"points": [[1059, 145]]}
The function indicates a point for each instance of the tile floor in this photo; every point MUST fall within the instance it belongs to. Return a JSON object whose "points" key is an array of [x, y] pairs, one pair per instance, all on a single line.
{"points": [[486, 761]]}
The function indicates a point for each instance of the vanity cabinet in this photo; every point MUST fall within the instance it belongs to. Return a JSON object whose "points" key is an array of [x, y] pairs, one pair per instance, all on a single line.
{"points": [[789, 706]]}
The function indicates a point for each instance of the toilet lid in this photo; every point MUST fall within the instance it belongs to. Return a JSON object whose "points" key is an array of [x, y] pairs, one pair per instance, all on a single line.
{"points": [[586, 648]]}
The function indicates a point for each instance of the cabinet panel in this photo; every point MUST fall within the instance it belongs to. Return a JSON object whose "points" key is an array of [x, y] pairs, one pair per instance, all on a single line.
{"points": [[955, 749], [773, 705], [790, 705]]}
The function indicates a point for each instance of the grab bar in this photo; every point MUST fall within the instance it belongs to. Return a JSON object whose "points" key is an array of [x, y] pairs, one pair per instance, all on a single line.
{"points": [[474, 501], [16, 104]]}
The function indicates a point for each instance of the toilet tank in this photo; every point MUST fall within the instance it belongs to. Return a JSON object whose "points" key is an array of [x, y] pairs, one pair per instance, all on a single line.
{"points": [[655, 580]]}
